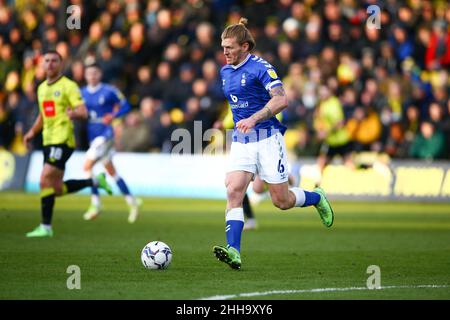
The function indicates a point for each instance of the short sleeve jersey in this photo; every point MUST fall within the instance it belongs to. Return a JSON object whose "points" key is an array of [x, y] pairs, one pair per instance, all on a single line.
{"points": [[99, 103], [54, 100]]}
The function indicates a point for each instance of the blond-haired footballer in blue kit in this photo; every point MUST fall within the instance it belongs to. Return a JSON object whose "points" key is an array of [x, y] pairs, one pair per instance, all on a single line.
{"points": [[256, 95]]}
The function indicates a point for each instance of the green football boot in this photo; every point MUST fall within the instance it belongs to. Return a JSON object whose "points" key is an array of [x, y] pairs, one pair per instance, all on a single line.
{"points": [[103, 184], [229, 255], [324, 208], [40, 232], [92, 212]]}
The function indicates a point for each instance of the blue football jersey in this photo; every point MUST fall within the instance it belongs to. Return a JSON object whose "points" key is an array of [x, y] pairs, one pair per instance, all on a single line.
{"points": [[101, 102], [247, 86]]}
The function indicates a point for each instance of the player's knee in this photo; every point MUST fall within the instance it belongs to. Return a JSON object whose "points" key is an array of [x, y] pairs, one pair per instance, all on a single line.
{"points": [[281, 203], [58, 187], [234, 192], [45, 181]]}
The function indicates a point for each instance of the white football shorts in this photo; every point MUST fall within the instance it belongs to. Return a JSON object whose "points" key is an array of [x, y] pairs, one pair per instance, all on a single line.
{"points": [[100, 149], [266, 158]]}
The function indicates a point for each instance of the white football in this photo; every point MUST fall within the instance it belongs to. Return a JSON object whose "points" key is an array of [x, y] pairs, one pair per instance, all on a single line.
{"points": [[156, 255]]}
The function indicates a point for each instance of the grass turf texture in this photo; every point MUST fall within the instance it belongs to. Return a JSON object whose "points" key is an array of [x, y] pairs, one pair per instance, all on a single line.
{"points": [[291, 250]]}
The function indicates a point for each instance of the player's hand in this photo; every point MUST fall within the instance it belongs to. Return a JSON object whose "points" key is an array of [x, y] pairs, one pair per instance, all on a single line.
{"points": [[107, 118], [27, 138], [218, 124], [245, 125], [71, 113]]}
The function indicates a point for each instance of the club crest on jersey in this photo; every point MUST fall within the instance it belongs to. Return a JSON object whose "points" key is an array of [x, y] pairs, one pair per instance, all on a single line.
{"points": [[272, 74], [57, 93], [243, 79], [101, 100]]}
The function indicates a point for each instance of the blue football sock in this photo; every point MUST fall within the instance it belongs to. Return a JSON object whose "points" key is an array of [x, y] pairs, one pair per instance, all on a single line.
{"points": [[311, 198], [94, 190], [234, 226], [122, 186], [305, 198]]}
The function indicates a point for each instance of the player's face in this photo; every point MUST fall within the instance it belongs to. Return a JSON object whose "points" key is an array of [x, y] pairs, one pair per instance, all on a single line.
{"points": [[233, 51], [93, 76], [52, 64]]}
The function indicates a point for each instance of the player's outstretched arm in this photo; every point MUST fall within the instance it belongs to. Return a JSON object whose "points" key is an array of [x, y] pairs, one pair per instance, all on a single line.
{"points": [[35, 129], [276, 104]]}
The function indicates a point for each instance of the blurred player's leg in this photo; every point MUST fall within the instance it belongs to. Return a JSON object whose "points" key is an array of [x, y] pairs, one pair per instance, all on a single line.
{"points": [[94, 209], [52, 186], [50, 177], [132, 202], [250, 220], [100, 148]]}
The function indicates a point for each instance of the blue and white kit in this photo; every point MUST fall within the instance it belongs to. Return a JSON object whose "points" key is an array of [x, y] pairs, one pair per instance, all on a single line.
{"points": [[261, 151], [101, 100]]}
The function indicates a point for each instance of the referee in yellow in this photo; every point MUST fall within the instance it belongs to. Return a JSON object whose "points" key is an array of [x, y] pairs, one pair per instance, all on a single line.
{"points": [[60, 102]]}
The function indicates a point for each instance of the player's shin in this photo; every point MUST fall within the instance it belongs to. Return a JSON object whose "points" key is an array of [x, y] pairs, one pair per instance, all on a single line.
{"points": [[125, 191], [248, 212], [47, 204], [95, 197], [122, 185], [234, 225]]}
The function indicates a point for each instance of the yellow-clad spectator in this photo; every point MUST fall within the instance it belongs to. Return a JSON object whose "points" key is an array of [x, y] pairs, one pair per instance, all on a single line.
{"points": [[364, 129], [329, 124]]}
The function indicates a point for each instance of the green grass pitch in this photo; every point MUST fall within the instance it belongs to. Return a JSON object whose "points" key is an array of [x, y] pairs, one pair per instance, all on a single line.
{"points": [[290, 254]]}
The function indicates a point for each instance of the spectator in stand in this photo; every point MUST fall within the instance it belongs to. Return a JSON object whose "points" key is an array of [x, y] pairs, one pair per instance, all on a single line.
{"points": [[396, 145], [429, 143], [143, 87], [401, 43], [210, 73], [134, 134], [162, 84], [364, 129], [183, 84], [329, 124], [438, 51]]}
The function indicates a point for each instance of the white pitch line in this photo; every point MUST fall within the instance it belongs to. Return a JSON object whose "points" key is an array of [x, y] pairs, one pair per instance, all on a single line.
{"points": [[267, 293]]}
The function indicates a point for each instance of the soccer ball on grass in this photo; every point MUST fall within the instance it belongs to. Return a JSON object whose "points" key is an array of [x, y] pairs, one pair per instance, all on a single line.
{"points": [[156, 255]]}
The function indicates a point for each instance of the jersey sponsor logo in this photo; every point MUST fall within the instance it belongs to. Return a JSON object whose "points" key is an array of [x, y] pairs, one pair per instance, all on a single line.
{"points": [[235, 105], [233, 98], [49, 108], [272, 74], [243, 104]]}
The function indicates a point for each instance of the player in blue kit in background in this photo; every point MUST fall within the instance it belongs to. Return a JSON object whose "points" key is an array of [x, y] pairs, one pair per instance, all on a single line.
{"points": [[104, 103], [256, 95]]}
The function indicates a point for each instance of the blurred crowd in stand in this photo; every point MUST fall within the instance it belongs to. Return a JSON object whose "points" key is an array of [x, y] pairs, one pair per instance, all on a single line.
{"points": [[386, 89]]}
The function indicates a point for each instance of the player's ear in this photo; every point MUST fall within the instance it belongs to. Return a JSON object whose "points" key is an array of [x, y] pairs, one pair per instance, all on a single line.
{"points": [[246, 46]]}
